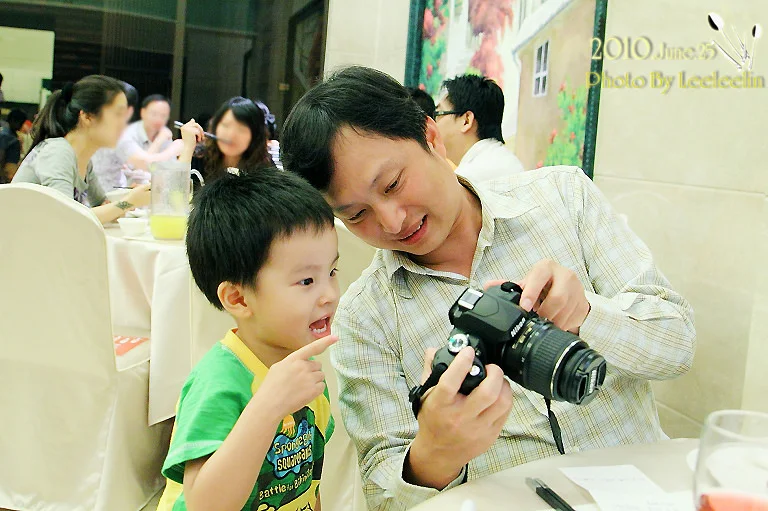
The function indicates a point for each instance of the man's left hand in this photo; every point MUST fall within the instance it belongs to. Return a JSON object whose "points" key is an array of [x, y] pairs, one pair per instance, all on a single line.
{"points": [[554, 292]]}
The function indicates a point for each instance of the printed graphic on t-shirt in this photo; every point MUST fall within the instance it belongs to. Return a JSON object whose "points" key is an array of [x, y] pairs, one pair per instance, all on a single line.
{"points": [[288, 470]]}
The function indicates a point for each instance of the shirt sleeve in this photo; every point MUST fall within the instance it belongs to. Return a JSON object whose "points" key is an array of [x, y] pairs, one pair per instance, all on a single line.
{"points": [[373, 398], [127, 146], [55, 168], [642, 327], [208, 410], [96, 195]]}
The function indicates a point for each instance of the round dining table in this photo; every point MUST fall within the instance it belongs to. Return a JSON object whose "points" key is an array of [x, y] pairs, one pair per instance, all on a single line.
{"points": [[152, 295], [666, 463]]}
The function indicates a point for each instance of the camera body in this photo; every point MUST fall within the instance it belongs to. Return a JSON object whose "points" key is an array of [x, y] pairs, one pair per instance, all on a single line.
{"points": [[530, 350]]}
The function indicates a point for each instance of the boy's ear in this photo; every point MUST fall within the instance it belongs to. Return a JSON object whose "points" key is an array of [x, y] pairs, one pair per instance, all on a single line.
{"points": [[233, 300]]}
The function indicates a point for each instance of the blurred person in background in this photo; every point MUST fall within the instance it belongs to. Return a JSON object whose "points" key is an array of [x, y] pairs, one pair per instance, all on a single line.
{"points": [[241, 143], [75, 122], [10, 145]]}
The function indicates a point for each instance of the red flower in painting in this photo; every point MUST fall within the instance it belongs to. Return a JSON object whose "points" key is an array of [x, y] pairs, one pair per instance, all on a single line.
{"points": [[429, 70], [539, 164], [429, 23], [552, 136], [571, 108], [573, 136], [490, 19], [562, 87]]}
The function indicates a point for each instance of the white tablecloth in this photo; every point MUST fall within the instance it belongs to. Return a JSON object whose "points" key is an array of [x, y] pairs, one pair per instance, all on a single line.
{"points": [[152, 294], [664, 463]]}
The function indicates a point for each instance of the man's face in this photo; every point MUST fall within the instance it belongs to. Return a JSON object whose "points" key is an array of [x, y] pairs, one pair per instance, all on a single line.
{"points": [[394, 194], [155, 116], [453, 130]]}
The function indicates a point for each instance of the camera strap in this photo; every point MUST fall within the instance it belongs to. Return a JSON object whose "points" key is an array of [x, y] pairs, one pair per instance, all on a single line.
{"points": [[417, 393], [555, 426]]}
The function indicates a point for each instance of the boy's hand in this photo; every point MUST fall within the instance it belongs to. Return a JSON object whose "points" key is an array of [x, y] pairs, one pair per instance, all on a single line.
{"points": [[295, 381]]}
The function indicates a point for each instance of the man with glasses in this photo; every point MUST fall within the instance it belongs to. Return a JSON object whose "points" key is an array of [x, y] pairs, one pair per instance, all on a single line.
{"points": [[469, 119]]}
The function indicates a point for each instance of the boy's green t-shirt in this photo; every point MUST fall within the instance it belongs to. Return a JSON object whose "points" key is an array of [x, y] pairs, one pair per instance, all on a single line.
{"points": [[212, 399]]}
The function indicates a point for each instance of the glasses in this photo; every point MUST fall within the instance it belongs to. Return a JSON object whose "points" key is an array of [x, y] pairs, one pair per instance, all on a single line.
{"points": [[438, 113], [732, 463]]}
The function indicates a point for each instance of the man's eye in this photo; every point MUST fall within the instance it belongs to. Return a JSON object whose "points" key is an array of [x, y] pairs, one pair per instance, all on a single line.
{"points": [[357, 216], [392, 186], [306, 282]]}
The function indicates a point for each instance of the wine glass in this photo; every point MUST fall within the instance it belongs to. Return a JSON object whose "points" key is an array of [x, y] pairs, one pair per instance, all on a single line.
{"points": [[732, 468]]}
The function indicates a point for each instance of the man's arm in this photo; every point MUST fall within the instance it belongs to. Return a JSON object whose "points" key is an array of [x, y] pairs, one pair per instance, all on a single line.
{"points": [[635, 319], [404, 462]]}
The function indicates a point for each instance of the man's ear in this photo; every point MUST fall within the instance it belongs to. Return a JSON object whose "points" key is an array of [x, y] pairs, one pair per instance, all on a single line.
{"points": [[434, 140], [469, 122], [233, 300]]}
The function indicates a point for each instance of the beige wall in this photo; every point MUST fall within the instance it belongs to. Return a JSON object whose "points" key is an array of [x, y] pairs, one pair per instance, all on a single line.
{"points": [[689, 169], [26, 58], [373, 33]]}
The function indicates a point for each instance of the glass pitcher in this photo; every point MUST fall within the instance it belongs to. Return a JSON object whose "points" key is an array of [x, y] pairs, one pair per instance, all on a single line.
{"points": [[171, 191]]}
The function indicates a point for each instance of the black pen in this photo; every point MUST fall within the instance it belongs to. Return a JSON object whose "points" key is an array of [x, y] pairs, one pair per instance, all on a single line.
{"points": [[548, 495]]}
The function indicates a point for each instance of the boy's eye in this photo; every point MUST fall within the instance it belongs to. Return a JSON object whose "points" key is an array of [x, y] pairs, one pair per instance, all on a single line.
{"points": [[306, 282], [392, 186], [334, 272], [357, 216]]}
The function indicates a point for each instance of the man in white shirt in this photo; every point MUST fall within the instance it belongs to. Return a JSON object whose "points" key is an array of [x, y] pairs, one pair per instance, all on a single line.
{"points": [[468, 117]]}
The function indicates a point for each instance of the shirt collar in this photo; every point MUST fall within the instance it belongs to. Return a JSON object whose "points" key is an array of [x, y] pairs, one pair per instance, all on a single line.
{"points": [[478, 148], [494, 206], [246, 356]]}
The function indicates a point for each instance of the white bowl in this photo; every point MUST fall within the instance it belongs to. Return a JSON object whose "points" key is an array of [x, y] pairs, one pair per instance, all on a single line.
{"points": [[117, 195], [133, 226]]}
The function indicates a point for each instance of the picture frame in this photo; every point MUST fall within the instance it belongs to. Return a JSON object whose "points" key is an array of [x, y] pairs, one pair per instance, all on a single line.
{"points": [[540, 52]]}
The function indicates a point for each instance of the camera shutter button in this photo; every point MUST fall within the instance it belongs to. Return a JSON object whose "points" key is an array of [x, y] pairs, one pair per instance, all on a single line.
{"points": [[474, 371], [457, 343]]}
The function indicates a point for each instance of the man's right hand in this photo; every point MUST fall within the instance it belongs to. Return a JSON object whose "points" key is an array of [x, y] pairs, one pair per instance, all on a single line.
{"points": [[454, 428]]}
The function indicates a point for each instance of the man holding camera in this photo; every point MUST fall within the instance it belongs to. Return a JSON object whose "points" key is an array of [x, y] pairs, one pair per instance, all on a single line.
{"points": [[381, 164]]}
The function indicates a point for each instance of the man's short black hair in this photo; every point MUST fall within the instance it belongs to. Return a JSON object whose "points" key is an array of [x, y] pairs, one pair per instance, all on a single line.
{"points": [[481, 96], [16, 119], [365, 99], [235, 219], [424, 100], [154, 97]]}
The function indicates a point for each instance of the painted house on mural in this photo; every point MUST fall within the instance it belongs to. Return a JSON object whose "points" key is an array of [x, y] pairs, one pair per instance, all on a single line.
{"points": [[553, 46]]}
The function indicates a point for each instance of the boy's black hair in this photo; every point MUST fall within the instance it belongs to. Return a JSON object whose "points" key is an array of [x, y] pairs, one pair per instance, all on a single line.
{"points": [[424, 100], [366, 100], [481, 96], [235, 219], [154, 97]]}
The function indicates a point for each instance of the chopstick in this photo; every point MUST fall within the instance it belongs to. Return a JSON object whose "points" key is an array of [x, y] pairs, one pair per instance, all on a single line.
{"points": [[179, 124]]}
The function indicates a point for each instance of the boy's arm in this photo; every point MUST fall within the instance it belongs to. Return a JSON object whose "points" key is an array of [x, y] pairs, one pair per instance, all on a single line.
{"points": [[225, 480], [317, 505]]}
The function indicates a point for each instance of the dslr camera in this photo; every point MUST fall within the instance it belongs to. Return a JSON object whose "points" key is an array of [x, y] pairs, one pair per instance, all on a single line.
{"points": [[531, 350]]}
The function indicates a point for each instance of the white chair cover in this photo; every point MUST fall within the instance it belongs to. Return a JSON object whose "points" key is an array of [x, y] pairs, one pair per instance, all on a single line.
{"points": [[73, 420]]}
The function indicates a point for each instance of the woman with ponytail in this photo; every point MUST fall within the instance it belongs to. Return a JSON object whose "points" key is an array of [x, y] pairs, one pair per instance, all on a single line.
{"points": [[75, 122]]}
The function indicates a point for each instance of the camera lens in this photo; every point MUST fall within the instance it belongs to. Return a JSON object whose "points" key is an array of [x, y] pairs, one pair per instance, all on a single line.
{"points": [[555, 363]]}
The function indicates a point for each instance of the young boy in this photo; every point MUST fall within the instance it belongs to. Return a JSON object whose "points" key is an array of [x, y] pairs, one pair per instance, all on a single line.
{"points": [[253, 417]]}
